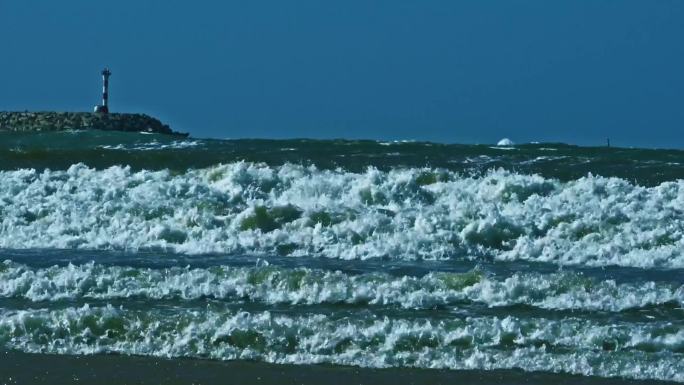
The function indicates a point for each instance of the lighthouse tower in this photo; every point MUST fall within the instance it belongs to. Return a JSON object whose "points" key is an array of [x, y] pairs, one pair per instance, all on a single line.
{"points": [[104, 107]]}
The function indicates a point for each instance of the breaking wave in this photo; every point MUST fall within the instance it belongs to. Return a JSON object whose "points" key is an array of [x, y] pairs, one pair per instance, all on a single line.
{"points": [[304, 286], [573, 345], [415, 213]]}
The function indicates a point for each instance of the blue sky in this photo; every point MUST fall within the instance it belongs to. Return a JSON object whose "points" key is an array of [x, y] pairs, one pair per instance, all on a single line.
{"points": [[449, 71]]}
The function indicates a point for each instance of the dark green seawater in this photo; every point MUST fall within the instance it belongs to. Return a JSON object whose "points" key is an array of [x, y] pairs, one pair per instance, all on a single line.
{"points": [[154, 152], [536, 258]]}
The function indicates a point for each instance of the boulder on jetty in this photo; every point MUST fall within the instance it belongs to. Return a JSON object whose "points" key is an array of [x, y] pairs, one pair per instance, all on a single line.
{"points": [[61, 121]]}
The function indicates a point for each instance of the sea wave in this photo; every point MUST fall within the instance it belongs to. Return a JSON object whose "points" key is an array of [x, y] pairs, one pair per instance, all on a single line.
{"points": [[305, 286], [573, 345], [414, 213], [151, 146]]}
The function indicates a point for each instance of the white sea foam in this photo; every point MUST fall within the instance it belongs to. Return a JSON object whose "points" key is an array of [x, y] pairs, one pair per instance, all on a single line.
{"points": [[154, 145], [643, 351], [297, 210], [275, 285]]}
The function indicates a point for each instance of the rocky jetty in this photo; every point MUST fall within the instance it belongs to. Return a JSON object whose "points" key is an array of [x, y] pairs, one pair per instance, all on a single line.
{"points": [[61, 121]]}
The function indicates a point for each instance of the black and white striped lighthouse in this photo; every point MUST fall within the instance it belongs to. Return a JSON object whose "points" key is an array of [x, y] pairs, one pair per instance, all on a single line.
{"points": [[104, 107]]}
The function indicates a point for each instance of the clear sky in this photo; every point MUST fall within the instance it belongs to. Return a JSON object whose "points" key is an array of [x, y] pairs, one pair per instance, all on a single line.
{"points": [[448, 71]]}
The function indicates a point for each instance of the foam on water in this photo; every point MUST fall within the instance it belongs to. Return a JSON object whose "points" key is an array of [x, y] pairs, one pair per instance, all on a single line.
{"points": [[647, 351], [154, 145], [302, 286], [297, 210]]}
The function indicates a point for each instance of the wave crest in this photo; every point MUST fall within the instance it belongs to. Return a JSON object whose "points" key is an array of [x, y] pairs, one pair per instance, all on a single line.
{"points": [[295, 210]]}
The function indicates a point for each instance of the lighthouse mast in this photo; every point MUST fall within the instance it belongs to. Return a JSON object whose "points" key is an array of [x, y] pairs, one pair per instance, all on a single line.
{"points": [[104, 107]]}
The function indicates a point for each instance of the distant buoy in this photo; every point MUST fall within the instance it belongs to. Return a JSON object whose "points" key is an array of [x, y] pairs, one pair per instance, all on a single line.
{"points": [[505, 142]]}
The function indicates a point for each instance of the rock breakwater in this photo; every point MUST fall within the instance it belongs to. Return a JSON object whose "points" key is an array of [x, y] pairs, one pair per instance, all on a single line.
{"points": [[61, 121]]}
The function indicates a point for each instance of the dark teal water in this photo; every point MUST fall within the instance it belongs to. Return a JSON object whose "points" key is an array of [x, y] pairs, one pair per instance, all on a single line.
{"points": [[59, 150], [540, 257]]}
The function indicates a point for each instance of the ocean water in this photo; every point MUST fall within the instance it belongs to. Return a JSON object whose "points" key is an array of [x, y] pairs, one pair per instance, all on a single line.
{"points": [[539, 257]]}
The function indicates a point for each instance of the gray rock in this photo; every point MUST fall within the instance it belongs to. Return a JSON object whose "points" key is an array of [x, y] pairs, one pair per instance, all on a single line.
{"points": [[60, 121]]}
